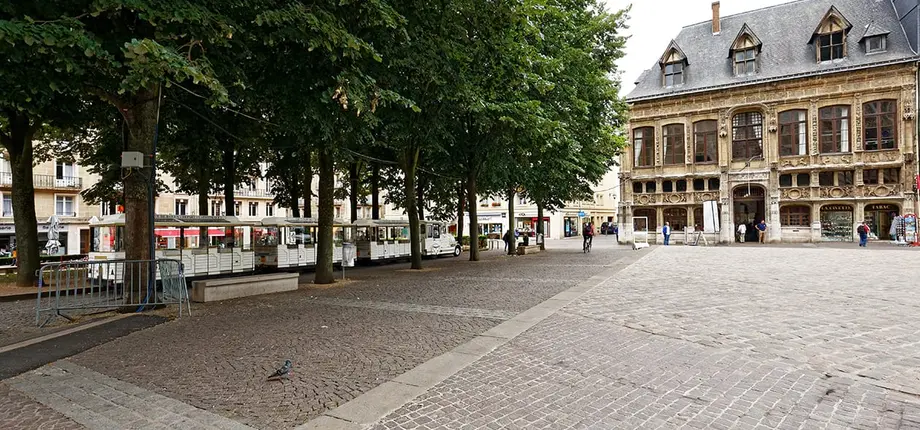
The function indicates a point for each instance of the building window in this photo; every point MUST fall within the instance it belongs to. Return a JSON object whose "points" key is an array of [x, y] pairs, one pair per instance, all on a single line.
{"points": [[795, 216], [641, 224], [879, 125], [835, 129], [269, 209], [797, 180], [217, 208], [744, 62], [673, 74], [637, 187], [667, 186], [65, 174], [644, 146], [876, 44], [64, 206], [831, 46], [181, 207], [673, 144], [650, 187], [681, 186], [7, 205], [699, 185], [836, 179], [881, 176], [676, 217], [237, 206], [253, 209], [747, 135], [714, 184], [706, 142], [793, 133]]}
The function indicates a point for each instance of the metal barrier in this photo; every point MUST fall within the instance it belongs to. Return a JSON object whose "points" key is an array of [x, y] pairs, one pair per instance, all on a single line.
{"points": [[83, 286]]}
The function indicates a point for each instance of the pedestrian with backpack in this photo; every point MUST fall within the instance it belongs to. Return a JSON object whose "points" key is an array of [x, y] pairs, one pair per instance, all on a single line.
{"points": [[863, 232]]}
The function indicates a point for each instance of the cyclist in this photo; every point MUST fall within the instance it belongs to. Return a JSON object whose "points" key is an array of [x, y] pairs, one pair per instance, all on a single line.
{"points": [[588, 236]]}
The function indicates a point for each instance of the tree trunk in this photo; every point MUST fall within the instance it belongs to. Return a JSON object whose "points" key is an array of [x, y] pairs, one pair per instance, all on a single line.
{"points": [[461, 202], [19, 146], [142, 122], [420, 198], [512, 244], [375, 192], [229, 167], [204, 188], [353, 189], [540, 226], [474, 222], [410, 164], [293, 194], [326, 210], [308, 186]]}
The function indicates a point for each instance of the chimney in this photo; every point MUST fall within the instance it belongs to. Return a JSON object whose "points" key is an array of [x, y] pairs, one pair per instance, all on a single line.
{"points": [[716, 25]]}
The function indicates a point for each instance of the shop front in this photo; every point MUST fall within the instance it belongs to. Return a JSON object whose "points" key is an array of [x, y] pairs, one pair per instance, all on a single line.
{"points": [[837, 223], [571, 226], [526, 222], [492, 224], [880, 217]]}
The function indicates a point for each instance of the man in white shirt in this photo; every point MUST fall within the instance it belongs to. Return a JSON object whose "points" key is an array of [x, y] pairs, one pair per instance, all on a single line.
{"points": [[742, 229]]}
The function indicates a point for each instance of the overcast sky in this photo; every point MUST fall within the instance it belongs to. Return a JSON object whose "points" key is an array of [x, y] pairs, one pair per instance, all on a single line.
{"points": [[653, 23]]}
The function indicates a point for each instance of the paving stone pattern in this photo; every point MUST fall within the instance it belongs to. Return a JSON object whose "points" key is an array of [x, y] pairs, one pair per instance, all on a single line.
{"points": [[20, 412], [98, 401], [409, 307], [764, 338]]}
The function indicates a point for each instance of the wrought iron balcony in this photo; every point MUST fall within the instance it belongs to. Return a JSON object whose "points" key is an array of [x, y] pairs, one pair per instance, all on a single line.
{"points": [[46, 181]]}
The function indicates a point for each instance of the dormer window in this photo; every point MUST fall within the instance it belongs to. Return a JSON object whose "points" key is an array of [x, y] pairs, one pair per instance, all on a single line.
{"points": [[673, 66], [831, 46], [673, 74], [830, 37], [876, 44], [744, 51]]}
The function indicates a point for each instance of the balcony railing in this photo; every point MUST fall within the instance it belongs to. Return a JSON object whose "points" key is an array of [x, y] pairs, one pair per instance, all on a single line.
{"points": [[46, 181]]}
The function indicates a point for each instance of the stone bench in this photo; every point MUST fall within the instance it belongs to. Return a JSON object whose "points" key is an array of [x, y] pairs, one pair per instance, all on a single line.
{"points": [[212, 290], [530, 249]]}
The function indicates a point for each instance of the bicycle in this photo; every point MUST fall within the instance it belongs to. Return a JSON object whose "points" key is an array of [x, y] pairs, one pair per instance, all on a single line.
{"points": [[587, 246]]}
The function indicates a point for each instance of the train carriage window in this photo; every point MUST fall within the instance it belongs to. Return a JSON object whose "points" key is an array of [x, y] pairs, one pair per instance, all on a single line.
{"points": [[436, 230]]}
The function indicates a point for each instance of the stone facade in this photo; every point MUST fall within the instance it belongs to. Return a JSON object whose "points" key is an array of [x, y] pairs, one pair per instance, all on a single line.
{"points": [[807, 182]]}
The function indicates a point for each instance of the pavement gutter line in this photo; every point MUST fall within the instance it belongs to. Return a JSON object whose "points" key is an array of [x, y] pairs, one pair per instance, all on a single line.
{"points": [[367, 409], [66, 332]]}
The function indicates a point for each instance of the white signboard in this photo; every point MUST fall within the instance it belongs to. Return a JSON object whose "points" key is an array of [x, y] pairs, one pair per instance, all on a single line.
{"points": [[711, 217]]}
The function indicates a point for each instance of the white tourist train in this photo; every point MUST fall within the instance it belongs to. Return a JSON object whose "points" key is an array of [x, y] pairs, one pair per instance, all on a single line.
{"points": [[291, 242], [379, 240], [206, 245]]}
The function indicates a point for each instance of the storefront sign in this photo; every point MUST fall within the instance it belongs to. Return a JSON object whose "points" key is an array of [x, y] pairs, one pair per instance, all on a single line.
{"points": [[749, 177], [9, 228], [837, 208]]}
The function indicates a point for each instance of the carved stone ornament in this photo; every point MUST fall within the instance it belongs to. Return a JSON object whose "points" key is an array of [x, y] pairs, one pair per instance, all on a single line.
{"points": [[883, 190], [814, 127], [688, 144], [772, 126], [794, 162], [837, 159], [857, 120], [908, 95], [676, 198], [774, 200], [838, 192], [723, 123], [795, 193], [644, 199]]}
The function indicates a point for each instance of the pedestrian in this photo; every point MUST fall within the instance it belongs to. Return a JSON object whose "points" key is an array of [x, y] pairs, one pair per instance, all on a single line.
{"points": [[507, 239], [666, 231], [762, 230], [893, 231], [616, 232], [742, 230], [863, 232]]}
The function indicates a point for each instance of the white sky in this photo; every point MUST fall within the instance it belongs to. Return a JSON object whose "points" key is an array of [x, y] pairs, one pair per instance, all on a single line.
{"points": [[653, 23]]}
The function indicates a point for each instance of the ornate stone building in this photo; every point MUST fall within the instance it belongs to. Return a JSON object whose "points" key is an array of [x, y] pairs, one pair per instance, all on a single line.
{"points": [[800, 114]]}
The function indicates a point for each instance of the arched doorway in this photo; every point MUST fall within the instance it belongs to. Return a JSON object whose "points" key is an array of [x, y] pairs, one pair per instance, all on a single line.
{"points": [[879, 217], [749, 206]]}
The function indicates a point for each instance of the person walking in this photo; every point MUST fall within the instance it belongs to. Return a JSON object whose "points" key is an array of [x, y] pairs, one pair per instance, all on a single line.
{"points": [[863, 232], [666, 231], [507, 239], [762, 230], [742, 231], [616, 232]]}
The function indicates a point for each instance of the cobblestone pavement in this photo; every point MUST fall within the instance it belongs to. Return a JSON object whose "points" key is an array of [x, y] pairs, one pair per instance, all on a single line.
{"points": [[19, 412], [707, 338], [343, 340]]}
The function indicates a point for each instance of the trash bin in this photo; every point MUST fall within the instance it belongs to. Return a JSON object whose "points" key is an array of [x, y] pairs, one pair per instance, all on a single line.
{"points": [[348, 254], [539, 238]]}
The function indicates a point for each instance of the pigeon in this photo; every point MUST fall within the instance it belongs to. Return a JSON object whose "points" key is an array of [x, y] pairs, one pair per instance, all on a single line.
{"points": [[284, 371]]}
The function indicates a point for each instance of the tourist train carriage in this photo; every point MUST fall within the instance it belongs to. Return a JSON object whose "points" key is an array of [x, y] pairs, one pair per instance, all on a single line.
{"points": [[291, 242], [206, 245], [377, 240]]}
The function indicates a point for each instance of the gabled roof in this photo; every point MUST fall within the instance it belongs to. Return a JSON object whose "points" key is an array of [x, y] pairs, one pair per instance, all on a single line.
{"points": [[784, 30], [672, 47], [873, 30], [832, 12], [745, 32]]}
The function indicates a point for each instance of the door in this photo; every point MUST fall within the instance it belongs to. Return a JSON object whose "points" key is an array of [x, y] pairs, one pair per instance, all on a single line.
{"points": [[84, 241]]}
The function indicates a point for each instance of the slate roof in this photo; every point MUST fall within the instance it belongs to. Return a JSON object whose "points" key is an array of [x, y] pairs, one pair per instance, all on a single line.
{"points": [[785, 30]]}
